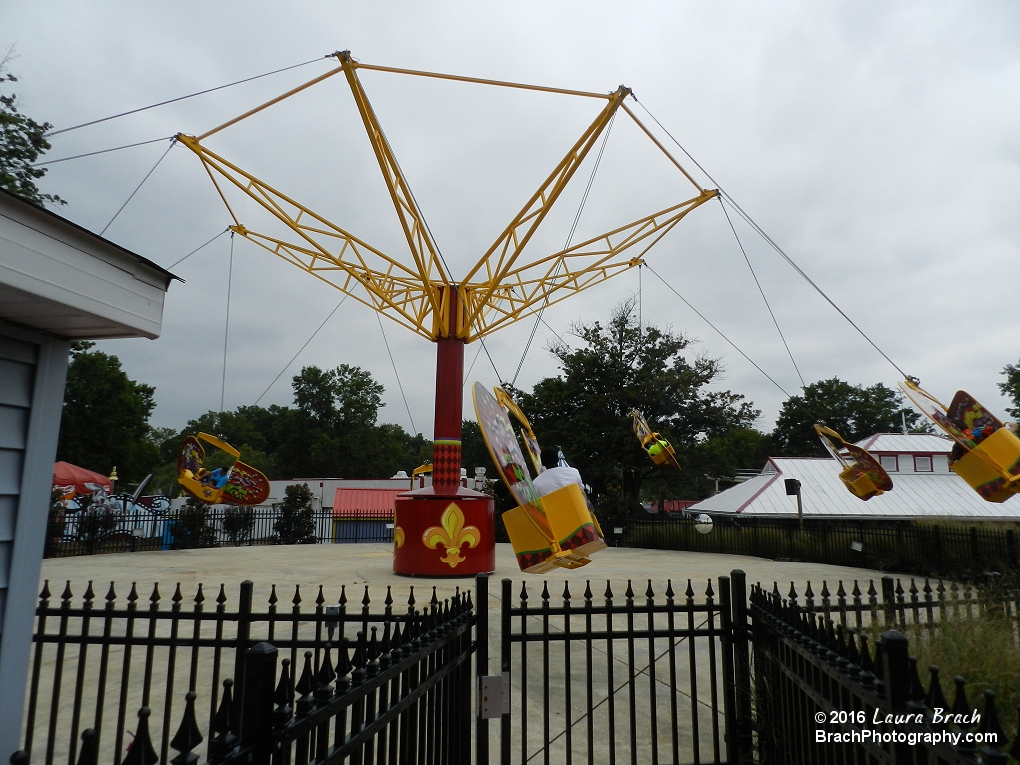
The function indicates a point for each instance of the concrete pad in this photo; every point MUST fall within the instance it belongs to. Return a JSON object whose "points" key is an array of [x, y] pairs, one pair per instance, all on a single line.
{"points": [[361, 564]]}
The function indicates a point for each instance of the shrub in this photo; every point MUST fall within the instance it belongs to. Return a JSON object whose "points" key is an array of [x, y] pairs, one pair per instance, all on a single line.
{"points": [[192, 527], [296, 524]]}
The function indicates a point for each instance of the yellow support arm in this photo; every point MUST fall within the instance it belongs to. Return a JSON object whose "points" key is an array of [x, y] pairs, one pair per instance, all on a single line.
{"points": [[326, 250], [423, 250], [524, 291], [503, 253]]}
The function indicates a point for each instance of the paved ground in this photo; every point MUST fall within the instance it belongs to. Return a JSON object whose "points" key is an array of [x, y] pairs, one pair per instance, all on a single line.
{"points": [[360, 564]]}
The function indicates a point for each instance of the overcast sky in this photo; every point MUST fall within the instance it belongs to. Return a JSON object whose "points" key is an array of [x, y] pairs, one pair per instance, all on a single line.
{"points": [[877, 143]]}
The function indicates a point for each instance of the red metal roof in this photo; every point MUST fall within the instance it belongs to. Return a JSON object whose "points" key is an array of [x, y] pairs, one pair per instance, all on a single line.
{"points": [[365, 503]]}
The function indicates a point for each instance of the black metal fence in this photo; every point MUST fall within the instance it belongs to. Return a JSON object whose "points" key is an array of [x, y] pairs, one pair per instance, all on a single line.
{"points": [[639, 677], [647, 675], [949, 551], [95, 664], [89, 532], [822, 695]]}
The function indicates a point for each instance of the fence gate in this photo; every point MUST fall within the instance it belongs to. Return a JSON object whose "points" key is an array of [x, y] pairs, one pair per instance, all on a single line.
{"points": [[624, 677]]}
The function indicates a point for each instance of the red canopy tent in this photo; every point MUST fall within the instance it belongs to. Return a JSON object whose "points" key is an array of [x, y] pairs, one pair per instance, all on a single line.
{"points": [[66, 474]]}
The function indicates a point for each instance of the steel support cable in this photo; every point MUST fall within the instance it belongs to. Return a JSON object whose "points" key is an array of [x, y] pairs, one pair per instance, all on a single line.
{"points": [[103, 151], [762, 293], [181, 98], [294, 357], [566, 245], [499, 377], [177, 263], [467, 375], [719, 331], [761, 232], [142, 183], [396, 374], [226, 328]]}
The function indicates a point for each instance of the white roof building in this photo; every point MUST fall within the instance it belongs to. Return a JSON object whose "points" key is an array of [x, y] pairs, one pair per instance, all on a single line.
{"points": [[923, 486]]}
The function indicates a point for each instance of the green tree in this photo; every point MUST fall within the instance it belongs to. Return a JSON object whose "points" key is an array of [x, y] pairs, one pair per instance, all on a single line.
{"points": [[586, 410], [105, 417], [1011, 388], [192, 528], [296, 524], [22, 142], [853, 411]]}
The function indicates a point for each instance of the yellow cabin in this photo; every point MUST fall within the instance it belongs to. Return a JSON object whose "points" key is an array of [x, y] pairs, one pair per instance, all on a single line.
{"points": [[575, 530]]}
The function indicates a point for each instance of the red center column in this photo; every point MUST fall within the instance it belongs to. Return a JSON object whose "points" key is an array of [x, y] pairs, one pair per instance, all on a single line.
{"points": [[445, 529]]}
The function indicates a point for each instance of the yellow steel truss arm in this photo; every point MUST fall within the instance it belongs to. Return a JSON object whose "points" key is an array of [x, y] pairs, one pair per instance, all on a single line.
{"points": [[503, 253], [526, 290], [423, 249], [327, 251]]}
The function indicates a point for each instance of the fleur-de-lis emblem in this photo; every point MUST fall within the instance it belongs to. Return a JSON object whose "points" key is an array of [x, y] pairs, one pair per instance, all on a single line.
{"points": [[452, 534], [398, 537]]}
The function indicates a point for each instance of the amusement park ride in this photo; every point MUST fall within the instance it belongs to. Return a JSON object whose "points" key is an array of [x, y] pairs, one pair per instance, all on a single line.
{"points": [[446, 529]]}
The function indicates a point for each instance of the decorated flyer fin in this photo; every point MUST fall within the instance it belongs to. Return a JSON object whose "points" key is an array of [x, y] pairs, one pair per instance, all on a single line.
{"points": [[527, 434], [246, 486], [862, 474]]}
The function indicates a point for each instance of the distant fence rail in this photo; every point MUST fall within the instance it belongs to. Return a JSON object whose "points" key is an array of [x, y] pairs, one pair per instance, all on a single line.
{"points": [[137, 530], [924, 549]]}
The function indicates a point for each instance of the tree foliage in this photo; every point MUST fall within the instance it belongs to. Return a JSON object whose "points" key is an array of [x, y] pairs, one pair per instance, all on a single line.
{"points": [[331, 431], [296, 524], [1011, 388], [22, 142], [620, 366], [853, 411], [105, 421]]}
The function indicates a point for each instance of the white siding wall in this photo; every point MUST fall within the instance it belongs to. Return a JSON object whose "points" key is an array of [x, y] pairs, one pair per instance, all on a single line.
{"points": [[33, 368]]}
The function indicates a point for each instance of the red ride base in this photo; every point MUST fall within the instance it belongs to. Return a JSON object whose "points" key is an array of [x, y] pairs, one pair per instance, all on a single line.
{"points": [[444, 535]]}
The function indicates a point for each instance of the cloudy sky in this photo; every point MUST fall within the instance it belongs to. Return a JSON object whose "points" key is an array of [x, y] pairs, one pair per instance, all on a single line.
{"points": [[877, 143]]}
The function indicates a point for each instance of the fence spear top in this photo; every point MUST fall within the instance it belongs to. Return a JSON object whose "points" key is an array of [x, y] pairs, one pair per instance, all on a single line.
{"points": [[154, 597], [320, 598], [141, 752], [960, 705], [296, 600], [690, 590], [545, 592], [935, 698], [566, 590], [273, 599], [669, 589], [188, 735], [177, 597], [90, 594], [66, 594], [45, 594], [990, 718], [221, 598], [306, 684]]}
